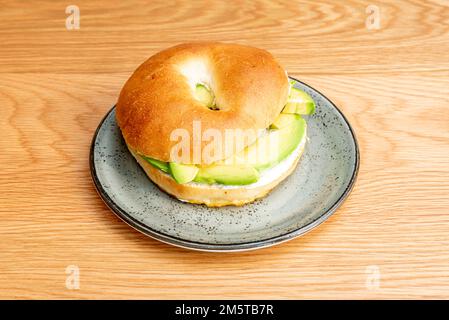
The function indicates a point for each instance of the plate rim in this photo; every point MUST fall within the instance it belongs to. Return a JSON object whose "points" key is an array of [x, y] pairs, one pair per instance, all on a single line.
{"points": [[217, 247]]}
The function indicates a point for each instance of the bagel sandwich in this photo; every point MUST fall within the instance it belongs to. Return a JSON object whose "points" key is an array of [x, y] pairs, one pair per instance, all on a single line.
{"points": [[214, 123]]}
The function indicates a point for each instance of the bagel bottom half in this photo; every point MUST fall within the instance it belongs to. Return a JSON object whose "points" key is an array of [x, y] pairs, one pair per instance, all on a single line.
{"points": [[214, 195]]}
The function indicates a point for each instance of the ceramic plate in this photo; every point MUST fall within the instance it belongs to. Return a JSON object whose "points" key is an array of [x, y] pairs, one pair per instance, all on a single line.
{"points": [[322, 180]]}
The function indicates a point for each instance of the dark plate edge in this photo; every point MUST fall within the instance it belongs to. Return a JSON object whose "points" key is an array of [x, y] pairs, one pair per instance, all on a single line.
{"points": [[124, 216]]}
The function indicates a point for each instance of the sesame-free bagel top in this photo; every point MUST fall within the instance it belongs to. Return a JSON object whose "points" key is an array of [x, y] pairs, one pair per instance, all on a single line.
{"points": [[249, 86]]}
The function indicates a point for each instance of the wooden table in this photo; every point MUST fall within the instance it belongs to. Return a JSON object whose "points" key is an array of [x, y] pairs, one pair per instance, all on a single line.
{"points": [[389, 240]]}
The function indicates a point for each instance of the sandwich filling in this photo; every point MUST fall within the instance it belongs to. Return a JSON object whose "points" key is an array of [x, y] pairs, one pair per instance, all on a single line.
{"points": [[268, 175], [265, 160]]}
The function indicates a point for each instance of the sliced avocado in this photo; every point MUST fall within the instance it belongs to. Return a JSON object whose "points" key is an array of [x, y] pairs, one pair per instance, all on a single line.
{"points": [[228, 175], [204, 95], [183, 173], [299, 102], [283, 120], [274, 146], [161, 165]]}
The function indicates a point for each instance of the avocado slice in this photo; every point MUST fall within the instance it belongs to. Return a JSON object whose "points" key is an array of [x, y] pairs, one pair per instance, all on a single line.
{"points": [[274, 146], [283, 120], [161, 165], [299, 102], [205, 95], [228, 175], [183, 173]]}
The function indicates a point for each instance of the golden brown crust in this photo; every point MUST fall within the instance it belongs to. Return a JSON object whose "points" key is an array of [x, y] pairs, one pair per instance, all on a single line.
{"points": [[251, 89], [211, 195]]}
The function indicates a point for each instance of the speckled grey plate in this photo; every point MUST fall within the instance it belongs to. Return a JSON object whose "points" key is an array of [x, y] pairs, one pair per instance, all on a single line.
{"points": [[322, 180]]}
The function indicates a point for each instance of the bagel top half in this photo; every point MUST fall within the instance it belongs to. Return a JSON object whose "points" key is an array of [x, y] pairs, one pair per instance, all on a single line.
{"points": [[249, 86]]}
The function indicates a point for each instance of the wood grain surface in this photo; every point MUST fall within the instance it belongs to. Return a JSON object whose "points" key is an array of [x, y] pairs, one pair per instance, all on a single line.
{"points": [[392, 83]]}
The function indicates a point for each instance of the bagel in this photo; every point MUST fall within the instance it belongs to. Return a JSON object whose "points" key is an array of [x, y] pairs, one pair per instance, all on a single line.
{"points": [[249, 89]]}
